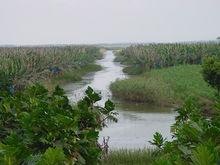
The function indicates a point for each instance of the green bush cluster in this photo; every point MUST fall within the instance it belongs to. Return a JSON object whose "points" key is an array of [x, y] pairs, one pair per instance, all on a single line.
{"points": [[44, 129], [211, 72], [196, 138], [196, 134]]}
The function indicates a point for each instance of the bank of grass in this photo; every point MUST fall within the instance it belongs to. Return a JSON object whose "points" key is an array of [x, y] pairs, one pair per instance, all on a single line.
{"points": [[71, 75], [129, 157], [165, 86], [133, 70], [48, 64]]}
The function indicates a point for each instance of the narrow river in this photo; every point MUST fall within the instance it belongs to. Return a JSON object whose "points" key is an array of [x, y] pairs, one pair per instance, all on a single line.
{"points": [[136, 122]]}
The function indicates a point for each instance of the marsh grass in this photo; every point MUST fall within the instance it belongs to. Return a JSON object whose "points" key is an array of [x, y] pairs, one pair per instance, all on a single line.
{"points": [[164, 86], [33, 64], [133, 70], [129, 157], [71, 75], [152, 56]]}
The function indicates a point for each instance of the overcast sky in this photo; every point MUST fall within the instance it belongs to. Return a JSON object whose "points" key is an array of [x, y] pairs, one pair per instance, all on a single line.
{"points": [[107, 21]]}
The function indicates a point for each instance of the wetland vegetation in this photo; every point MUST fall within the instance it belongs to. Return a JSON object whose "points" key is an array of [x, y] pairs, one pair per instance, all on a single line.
{"points": [[165, 74], [167, 86], [109, 82], [51, 65], [173, 74], [41, 127]]}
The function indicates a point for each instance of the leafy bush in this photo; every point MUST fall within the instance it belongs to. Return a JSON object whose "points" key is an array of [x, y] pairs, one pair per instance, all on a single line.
{"points": [[158, 140], [211, 72], [195, 138], [52, 156], [41, 128]]}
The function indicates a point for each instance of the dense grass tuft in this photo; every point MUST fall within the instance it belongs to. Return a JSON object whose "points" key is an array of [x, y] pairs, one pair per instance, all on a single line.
{"points": [[164, 86], [129, 157]]}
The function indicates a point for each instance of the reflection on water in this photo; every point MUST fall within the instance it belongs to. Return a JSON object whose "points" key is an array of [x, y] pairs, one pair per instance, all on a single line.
{"points": [[136, 122]]}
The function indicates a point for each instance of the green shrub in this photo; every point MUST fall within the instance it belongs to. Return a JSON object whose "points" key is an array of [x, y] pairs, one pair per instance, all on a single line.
{"points": [[44, 128], [211, 72], [195, 138], [52, 156], [202, 155]]}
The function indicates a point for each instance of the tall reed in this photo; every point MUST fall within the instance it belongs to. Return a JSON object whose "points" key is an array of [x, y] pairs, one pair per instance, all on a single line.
{"points": [[34, 63]]}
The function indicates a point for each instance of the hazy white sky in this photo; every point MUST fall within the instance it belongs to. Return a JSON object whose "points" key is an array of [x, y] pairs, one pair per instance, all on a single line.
{"points": [[101, 21]]}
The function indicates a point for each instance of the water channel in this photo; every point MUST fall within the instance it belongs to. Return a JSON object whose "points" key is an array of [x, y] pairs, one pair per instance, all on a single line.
{"points": [[136, 122]]}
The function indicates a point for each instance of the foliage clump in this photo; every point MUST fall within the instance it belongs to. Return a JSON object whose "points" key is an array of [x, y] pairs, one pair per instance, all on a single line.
{"points": [[44, 129], [211, 72], [195, 138]]}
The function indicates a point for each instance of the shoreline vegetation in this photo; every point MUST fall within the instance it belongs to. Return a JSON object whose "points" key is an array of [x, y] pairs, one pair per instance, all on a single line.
{"points": [[165, 74], [39, 127], [71, 76], [42, 128], [129, 157], [195, 132], [164, 87], [48, 65]]}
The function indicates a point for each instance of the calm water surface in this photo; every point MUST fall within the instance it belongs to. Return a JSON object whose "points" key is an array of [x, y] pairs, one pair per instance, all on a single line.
{"points": [[136, 122]]}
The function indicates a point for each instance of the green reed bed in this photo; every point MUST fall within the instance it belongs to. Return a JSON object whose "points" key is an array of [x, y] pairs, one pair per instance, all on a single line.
{"points": [[165, 86], [140, 58], [31, 64]]}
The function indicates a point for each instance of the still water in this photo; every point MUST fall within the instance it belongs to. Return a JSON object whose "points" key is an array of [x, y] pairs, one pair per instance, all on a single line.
{"points": [[136, 122]]}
